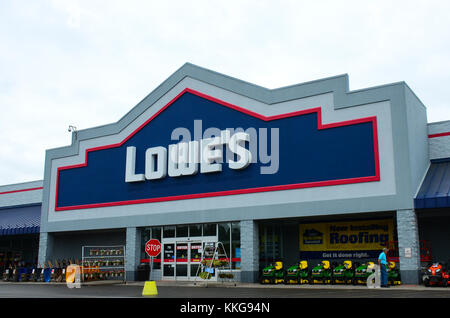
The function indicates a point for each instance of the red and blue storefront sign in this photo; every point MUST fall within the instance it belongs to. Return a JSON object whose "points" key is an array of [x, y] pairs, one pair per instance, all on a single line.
{"points": [[311, 154]]}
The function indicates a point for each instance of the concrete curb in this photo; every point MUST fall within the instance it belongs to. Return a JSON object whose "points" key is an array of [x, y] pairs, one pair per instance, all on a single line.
{"points": [[282, 286], [94, 283], [202, 284]]}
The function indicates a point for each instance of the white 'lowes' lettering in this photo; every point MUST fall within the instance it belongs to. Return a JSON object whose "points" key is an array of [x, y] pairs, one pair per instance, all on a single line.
{"points": [[185, 158]]}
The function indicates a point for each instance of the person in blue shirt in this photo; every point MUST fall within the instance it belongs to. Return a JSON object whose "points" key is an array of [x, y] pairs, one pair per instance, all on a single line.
{"points": [[382, 263]]}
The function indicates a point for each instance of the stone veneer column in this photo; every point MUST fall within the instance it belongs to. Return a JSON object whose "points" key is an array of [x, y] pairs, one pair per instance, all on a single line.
{"points": [[249, 251], [132, 252], [45, 247], [408, 238]]}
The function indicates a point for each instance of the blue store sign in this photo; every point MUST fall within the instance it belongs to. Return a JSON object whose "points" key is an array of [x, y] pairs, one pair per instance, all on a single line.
{"points": [[142, 167]]}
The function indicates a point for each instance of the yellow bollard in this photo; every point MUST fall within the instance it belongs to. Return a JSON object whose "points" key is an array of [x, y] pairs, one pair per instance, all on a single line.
{"points": [[149, 289]]}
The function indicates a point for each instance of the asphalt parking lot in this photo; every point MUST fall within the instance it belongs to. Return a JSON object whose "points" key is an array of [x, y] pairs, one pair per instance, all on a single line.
{"points": [[216, 300], [179, 290]]}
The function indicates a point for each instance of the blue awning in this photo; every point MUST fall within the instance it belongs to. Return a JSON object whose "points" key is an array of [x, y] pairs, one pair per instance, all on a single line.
{"points": [[23, 220], [435, 189]]}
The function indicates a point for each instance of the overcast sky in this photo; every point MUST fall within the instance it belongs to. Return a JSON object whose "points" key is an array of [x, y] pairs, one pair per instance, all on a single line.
{"points": [[87, 63]]}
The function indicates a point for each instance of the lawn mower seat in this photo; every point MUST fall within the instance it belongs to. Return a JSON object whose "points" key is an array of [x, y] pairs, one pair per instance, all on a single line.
{"points": [[278, 265], [326, 264], [303, 264], [348, 264], [391, 265]]}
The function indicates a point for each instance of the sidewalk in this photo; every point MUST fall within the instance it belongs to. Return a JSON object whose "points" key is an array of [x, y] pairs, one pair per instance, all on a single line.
{"points": [[204, 284], [282, 286], [92, 283]]}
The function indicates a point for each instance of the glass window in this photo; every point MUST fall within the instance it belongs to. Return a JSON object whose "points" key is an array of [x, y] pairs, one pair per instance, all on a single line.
{"points": [[209, 229], [182, 252], [224, 237], [236, 245], [169, 259], [271, 243], [182, 231], [156, 233], [169, 231], [181, 270], [169, 270], [224, 232], [145, 236], [195, 230]]}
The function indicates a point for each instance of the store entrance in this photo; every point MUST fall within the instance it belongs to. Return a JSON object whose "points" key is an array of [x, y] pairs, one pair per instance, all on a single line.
{"points": [[182, 257]]}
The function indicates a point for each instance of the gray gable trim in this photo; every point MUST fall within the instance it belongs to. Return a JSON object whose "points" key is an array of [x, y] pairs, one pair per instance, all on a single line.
{"points": [[339, 85], [343, 98]]}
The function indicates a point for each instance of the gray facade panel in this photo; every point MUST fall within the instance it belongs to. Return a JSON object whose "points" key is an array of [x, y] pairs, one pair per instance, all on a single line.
{"points": [[45, 247], [132, 251], [439, 147], [250, 251], [307, 209], [408, 240], [439, 127], [418, 138], [69, 245], [20, 194]]}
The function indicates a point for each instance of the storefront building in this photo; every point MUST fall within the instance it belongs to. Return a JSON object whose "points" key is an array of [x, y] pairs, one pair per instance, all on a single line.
{"points": [[20, 218], [311, 171]]}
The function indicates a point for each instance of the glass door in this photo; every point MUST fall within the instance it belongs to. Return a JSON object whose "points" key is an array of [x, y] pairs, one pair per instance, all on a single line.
{"points": [[188, 257], [182, 260], [181, 257], [168, 260], [196, 252]]}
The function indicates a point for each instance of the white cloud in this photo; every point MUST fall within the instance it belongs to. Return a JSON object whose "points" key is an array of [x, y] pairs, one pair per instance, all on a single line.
{"points": [[72, 9], [87, 63]]}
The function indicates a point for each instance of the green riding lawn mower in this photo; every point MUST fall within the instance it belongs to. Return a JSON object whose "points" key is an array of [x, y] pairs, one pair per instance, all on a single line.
{"points": [[362, 272], [393, 274], [325, 273], [273, 274], [298, 273], [343, 273], [322, 273]]}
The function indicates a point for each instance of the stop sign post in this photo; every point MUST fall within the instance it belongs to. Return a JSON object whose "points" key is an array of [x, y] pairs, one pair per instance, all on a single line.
{"points": [[152, 248]]}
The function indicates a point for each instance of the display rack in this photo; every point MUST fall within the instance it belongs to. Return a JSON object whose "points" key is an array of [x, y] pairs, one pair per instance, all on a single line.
{"points": [[215, 261], [103, 263]]}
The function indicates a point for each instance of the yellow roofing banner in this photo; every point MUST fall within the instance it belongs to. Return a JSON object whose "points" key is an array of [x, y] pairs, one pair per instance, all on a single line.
{"points": [[346, 236]]}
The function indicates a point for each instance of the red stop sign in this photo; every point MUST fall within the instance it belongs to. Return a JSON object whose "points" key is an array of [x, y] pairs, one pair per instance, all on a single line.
{"points": [[153, 247]]}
